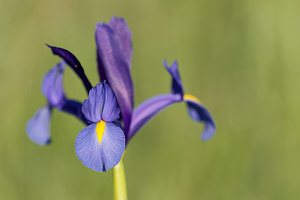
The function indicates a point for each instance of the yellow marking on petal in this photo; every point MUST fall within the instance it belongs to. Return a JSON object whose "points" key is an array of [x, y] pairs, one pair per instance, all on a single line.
{"points": [[100, 130], [191, 98], [75, 66]]}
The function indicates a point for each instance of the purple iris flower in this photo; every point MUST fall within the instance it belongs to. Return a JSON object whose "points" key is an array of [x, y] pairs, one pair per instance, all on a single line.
{"points": [[109, 110], [38, 127]]}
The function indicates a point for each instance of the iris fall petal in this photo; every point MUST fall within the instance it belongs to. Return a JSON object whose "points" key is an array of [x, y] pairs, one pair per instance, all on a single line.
{"points": [[38, 127], [200, 114], [148, 109], [100, 155]]}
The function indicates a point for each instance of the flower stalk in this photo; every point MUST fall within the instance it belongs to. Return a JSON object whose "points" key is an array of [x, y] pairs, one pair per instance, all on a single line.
{"points": [[120, 190]]}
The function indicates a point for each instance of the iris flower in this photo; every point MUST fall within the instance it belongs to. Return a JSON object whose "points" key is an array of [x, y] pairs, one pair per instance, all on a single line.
{"points": [[109, 111]]}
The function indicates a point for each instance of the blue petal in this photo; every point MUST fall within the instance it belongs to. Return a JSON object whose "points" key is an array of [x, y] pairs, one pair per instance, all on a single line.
{"points": [[74, 108], [148, 109], [38, 127], [110, 110], [52, 86], [123, 35], [92, 107], [200, 114], [100, 156], [177, 87], [116, 69]]}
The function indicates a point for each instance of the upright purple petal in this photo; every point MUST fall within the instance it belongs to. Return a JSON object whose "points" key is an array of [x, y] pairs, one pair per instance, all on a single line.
{"points": [[100, 155], [200, 114], [123, 35], [38, 127], [116, 69], [177, 87], [148, 109], [92, 107], [110, 110], [52, 86], [74, 63]]}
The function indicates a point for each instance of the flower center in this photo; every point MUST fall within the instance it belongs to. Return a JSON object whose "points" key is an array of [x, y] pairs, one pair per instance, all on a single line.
{"points": [[100, 130], [191, 98]]}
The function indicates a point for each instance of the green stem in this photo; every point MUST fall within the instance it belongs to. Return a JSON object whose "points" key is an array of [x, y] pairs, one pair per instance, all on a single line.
{"points": [[120, 191]]}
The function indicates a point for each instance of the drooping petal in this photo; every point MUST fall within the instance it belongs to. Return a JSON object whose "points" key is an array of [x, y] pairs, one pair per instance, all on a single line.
{"points": [[92, 107], [110, 110], [200, 114], [177, 87], [74, 108], [123, 35], [74, 63], [38, 127], [100, 148], [52, 86], [115, 67], [148, 109]]}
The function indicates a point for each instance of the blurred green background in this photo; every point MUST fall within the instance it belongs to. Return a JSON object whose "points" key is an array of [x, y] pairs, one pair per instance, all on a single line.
{"points": [[241, 58]]}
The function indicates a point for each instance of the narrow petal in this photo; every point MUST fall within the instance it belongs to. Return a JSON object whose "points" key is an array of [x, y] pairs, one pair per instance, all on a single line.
{"points": [[177, 87], [74, 108], [100, 154], [38, 127], [52, 86], [92, 107], [74, 63], [200, 114], [148, 109], [116, 69], [110, 110], [123, 35]]}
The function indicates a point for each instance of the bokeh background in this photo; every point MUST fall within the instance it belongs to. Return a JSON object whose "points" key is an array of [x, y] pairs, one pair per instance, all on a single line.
{"points": [[241, 58]]}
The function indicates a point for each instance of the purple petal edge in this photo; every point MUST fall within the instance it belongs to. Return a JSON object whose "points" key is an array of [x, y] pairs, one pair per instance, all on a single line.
{"points": [[148, 109], [38, 127], [200, 114], [116, 70], [74, 63], [123, 35]]}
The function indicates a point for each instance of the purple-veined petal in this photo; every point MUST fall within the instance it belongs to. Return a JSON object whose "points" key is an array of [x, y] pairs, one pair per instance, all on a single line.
{"points": [[100, 155], [123, 35], [52, 86], [177, 87], [74, 63], [92, 107], [200, 114], [116, 70], [38, 127], [148, 109], [110, 110]]}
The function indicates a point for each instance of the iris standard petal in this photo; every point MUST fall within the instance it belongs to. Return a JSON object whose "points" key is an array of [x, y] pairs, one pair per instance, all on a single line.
{"points": [[177, 87], [148, 109], [92, 107], [52, 86], [38, 127], [116, 70], [123, 35], [110, 109], [200, 114], [74, 63], [100, 146]]}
